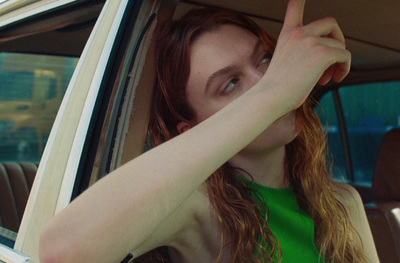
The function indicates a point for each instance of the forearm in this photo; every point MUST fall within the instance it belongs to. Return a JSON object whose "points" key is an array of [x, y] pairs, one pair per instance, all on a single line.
{"points": [[118, 213], [121, 210]]}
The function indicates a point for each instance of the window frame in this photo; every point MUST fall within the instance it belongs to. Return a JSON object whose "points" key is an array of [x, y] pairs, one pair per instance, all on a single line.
{"points": [[65, 153], [317, 94], [343, 134], [60, 161], [69, 132]]}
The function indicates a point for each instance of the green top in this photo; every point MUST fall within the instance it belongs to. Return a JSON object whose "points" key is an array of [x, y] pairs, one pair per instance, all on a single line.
{"points": [[293, 226]]}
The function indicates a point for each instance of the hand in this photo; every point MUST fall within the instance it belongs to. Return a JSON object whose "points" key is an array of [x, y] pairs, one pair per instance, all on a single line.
{"points": [[310, 54]]}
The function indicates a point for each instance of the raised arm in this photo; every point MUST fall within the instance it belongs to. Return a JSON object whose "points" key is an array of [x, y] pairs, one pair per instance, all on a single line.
{"points": [[120, 212]]}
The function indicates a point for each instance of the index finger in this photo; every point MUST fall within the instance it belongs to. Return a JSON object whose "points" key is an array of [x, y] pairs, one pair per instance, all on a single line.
{"points": [[294, 13]]}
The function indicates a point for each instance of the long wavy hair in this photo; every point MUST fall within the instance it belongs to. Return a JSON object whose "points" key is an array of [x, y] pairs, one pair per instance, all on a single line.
{"points": [[247, 235]]}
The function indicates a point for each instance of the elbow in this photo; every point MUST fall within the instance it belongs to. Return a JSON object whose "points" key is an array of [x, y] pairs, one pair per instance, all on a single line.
{"points": [[47, 252], [53, 248]]}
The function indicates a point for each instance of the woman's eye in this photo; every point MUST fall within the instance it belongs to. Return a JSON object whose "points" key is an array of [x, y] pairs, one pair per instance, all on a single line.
{"points": [[266, 58], [230, 85], [264, 63]]}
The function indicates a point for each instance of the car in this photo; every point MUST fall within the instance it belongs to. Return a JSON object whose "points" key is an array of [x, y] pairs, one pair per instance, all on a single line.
{"points": [[76, 80]]}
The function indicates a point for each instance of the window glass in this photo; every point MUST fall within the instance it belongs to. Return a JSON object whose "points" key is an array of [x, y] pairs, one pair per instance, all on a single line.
{"points": [[329, 118], [31, 91], [370, 111]]}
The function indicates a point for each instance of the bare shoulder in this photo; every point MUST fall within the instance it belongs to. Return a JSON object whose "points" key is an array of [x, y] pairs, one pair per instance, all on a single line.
{"points": [[351, 200], [348, 196]]}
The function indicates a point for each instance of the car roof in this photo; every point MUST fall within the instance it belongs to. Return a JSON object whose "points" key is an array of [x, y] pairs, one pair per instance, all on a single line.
{"points": [[39, 23], [371, 28]]}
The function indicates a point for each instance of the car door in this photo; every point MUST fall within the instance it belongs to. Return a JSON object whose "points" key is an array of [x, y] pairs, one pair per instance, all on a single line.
{"points": [[87, 136]]}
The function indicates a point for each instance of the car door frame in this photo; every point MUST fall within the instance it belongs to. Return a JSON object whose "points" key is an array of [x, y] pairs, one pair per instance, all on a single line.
{"points": [[66, 147]]}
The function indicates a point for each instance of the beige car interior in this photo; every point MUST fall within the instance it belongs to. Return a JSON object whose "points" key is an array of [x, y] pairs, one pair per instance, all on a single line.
{"points": [[372, 32]]}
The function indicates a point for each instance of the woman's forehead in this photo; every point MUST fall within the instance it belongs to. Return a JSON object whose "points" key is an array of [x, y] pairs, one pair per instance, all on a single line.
{"points": [[226, 46], [223, 36]]}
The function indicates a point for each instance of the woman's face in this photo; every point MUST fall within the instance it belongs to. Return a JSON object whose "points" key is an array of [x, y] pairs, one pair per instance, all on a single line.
{"points": [[224, 64]]}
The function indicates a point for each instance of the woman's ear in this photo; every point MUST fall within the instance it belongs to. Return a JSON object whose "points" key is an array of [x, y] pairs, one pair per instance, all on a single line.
{"points": [[183, 126]]}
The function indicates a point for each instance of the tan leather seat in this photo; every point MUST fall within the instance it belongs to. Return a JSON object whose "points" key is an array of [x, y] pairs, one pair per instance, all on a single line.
{"points": [[384, 213], [16, 180]]}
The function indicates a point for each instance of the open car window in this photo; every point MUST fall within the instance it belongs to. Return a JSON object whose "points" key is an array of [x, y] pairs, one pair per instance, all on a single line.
{"points": [[40, 46], [32, 87], [86, 139]]}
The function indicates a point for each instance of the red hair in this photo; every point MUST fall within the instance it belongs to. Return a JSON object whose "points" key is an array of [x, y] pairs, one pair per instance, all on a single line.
{"points": [[240, 215]]}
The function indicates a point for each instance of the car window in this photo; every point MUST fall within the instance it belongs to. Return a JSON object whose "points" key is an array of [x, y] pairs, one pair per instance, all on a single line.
{"points": [[32, 87], [329, 118], [368, 112]]}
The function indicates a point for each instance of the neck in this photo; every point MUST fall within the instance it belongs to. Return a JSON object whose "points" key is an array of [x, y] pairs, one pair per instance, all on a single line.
{"points": [[266, 168]]}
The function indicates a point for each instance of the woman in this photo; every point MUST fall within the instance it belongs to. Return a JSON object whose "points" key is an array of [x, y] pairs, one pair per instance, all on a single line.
{"points": [[225, 108]]}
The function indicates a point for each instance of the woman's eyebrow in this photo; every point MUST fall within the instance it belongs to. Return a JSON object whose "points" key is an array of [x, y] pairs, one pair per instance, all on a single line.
{"points": [[217, 74], [231, 68]]}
